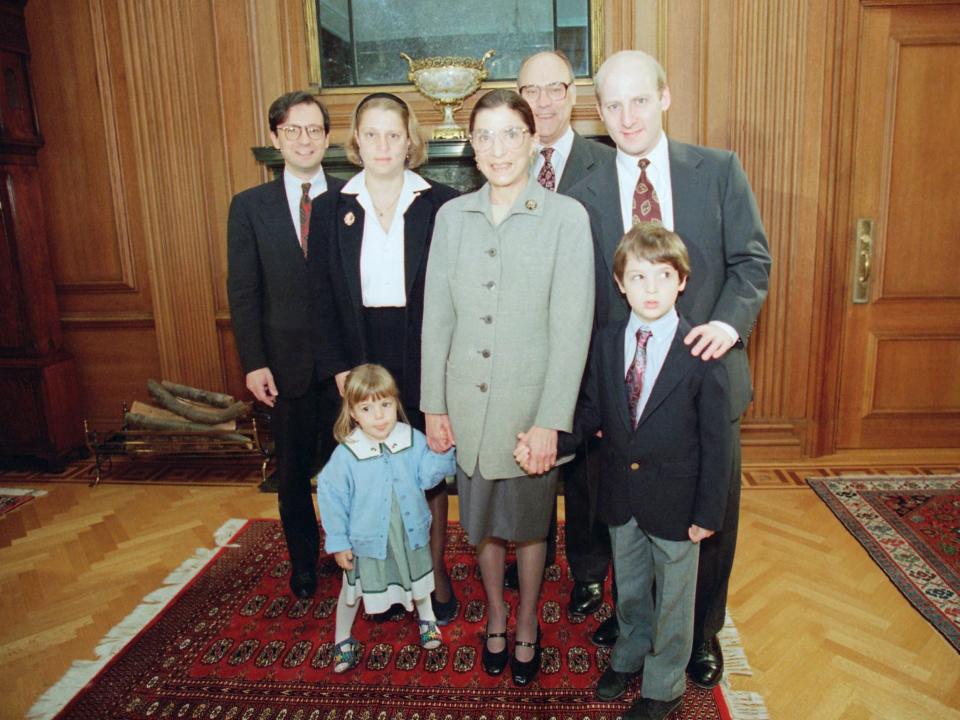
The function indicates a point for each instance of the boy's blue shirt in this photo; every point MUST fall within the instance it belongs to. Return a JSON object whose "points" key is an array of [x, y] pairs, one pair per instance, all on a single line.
{"points": [[355, 490]]}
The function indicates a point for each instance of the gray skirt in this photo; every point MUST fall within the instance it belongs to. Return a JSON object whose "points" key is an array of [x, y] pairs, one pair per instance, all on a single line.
{"points": [[516, 509]]}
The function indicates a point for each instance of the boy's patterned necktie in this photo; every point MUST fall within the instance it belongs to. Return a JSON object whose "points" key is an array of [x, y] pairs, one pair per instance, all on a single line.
{"points": [[547, 176], [646, 207], [305, 203], [634, 377]]}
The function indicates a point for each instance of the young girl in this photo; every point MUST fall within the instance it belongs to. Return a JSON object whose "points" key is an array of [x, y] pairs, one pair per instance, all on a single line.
{"points": [[373, 509]]}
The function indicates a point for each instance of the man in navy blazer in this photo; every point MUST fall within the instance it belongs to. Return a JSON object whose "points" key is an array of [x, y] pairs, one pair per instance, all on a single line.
{"points": [[546, 82], [274, 308], [704, 196]]}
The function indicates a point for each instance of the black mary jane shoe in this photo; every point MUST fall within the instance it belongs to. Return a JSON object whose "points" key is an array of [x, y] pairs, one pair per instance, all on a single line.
{"points": [[494, 662], [526, 670]]}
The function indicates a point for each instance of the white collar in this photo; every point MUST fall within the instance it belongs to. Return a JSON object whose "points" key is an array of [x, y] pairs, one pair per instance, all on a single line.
{"points": [[659, 157], [412, 182], [293, 184], [563, 145], [364, 448]]}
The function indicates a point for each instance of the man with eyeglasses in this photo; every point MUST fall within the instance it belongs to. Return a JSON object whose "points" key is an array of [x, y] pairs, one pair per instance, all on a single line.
{"points": [[278, 318], [546, 82]]}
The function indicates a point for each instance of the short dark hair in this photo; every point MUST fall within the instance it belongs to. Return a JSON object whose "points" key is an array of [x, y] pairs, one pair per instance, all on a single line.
{"points": [[504, 97], [280, 107], [651, 241]]}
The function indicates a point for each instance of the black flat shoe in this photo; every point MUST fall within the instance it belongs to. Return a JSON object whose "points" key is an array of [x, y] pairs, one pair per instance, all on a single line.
{"points": [[494, 662], [585, 597], [706, 664], [526, 670], [607, 633], [304, 584]]}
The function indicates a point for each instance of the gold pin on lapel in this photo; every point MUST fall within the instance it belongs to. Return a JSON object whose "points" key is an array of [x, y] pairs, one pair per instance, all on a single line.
{"points": [[349, 219], [531, 204]]}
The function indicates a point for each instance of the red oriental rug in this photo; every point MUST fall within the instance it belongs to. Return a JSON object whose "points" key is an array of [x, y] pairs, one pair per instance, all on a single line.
{"points": [[12, 498], [234, 644], [910, 526]]}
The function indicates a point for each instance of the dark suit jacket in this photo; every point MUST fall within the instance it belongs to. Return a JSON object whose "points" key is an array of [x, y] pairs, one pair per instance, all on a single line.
{"points": [[340, 273], [673, 470], [585, 157], [272, 301], [715, 213]]}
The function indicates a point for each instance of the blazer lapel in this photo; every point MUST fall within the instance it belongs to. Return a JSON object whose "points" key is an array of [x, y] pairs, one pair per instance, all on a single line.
{"points": [[676, 365], [276, 212], [688, 190], [349, 234], [416, 223], [578, 165], [606, 192], [616, 370]]}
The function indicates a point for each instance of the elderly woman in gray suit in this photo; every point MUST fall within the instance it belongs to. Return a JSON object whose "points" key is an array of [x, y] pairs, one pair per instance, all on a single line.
{"points": [[506, 328]]}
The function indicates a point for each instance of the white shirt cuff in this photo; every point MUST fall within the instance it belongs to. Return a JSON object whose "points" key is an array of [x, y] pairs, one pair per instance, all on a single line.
{"points": [[734, 335]]}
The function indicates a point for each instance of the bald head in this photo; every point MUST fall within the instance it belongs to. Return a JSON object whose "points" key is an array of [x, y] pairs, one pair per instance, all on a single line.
{"points": [[632, 95], [541, 75]]}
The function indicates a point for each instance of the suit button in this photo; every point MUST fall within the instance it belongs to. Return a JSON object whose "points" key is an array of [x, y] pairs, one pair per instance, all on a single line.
{"points": [[483, 387], [485, 353], [487, 319], [492, 252], [490, 285], [634, 466]]}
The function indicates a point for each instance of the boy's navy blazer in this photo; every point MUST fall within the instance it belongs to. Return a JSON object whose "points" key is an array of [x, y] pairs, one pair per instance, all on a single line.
{"points": [[273, 306], [338, 223], [673, 470]]}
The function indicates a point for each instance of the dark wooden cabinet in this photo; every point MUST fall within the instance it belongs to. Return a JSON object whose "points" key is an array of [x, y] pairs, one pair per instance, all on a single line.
{"points": [[39, 392]]}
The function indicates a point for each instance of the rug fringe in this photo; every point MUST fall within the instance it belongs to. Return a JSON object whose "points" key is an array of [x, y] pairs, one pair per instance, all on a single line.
{"points": [[22, 491], [734, 658], [82, 672], [744, 705]]}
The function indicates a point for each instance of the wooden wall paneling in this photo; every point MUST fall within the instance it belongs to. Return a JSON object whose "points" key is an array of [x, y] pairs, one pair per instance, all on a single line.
{"points": [[168, 71], [684, 36]]}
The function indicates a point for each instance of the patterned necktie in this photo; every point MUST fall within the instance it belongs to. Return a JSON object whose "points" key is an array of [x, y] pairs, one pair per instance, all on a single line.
{"points": [[646, 207], [634, 378], [305, 203], [547, 176]]}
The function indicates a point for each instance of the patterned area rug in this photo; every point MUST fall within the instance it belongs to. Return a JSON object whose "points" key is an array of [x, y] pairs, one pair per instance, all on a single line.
{"points": [[234, 643], [911, 528], [12, 498]]}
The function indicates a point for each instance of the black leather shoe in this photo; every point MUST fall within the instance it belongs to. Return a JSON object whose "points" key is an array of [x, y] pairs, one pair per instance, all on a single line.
{"points": [[494, 662], [606, 635], [613, 684], [648, 709], [706, 663], [303, 584], [526, 670], [585, 597], [511, 577]]}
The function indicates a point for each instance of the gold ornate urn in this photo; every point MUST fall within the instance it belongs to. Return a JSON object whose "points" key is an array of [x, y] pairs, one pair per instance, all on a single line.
{"points": [[448, 81]]}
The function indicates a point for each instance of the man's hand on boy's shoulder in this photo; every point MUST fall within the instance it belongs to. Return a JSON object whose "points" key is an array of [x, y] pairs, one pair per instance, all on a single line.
{"points": [[697, 533], [710, 340]]}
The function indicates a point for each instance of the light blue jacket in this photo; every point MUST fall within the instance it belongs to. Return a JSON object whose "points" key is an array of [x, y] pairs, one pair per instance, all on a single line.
{"points": [[355, 490]]}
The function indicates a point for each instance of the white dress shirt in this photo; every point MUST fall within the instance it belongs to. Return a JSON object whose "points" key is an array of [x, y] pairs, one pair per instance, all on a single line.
{"points": [[662, 331], [561, 153], [293, 187], [382, 276]]}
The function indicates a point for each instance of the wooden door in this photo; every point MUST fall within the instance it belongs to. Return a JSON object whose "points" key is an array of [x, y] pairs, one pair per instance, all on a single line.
{"points": [[900, 366]]}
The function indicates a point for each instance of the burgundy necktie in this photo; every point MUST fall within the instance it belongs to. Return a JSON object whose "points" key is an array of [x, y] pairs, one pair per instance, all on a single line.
{"points": [[634, 377], [547, 176], [305, 203], [646, 207]]}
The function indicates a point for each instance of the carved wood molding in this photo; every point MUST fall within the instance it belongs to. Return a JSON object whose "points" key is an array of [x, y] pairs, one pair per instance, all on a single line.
{"points": [[162, 64]]}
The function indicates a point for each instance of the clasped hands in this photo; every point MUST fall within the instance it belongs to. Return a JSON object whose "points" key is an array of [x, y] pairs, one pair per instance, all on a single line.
{"points": [[536, 450]]}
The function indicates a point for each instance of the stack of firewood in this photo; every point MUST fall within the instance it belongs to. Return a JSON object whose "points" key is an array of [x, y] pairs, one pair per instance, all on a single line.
{"points": [[184, 408]]}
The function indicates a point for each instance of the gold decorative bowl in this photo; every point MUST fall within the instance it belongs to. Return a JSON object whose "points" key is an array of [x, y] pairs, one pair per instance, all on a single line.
{"points": [[447, 81]]}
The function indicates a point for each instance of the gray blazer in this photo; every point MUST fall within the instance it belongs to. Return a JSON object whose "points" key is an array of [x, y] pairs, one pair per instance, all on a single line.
{"points": [[507, 317], [585, 156]]}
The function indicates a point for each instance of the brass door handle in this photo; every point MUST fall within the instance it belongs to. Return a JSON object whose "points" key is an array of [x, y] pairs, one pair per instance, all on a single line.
{"points": [[863, 261]]}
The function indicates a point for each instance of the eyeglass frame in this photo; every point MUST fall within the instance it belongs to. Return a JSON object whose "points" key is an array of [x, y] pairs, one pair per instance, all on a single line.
{"points": [[299, 132], [545, 88], [478, 145]]}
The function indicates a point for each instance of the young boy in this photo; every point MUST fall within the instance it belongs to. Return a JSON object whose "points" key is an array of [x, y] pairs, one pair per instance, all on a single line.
{"points": [[666, 421]]}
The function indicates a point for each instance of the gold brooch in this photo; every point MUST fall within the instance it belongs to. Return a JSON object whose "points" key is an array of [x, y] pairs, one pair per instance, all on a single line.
{"points": [[531, 204], [349, 219]]}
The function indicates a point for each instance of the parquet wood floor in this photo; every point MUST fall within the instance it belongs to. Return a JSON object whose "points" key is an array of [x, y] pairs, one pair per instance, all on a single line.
{"points": [[828, 636]]}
